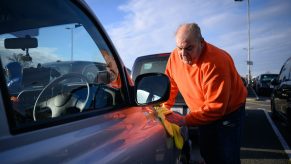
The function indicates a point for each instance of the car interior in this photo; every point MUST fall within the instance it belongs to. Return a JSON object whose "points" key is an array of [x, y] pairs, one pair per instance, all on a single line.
{"points": [[58, 79]]}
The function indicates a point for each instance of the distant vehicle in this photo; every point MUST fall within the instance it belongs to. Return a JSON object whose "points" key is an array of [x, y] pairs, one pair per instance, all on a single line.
{"points": [[263, 83], [82, 109], [281, 95], [157, 63]]}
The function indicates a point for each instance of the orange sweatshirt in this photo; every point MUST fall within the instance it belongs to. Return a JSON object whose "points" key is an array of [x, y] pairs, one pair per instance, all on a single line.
{"points": [[212, 88]]}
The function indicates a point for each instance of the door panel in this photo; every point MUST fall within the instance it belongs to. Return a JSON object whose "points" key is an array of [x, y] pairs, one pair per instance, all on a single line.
{"points": [[131, 135]]}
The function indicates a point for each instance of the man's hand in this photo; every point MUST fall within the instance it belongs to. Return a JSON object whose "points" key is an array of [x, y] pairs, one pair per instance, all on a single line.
{"points": [[176, 119]]}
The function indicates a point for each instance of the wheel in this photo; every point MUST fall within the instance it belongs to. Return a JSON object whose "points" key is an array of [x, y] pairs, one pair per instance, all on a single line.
{"points": [[57, 105]]}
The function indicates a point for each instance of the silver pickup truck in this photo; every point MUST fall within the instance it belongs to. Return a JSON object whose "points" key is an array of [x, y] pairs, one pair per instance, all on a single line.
{"points": [[66, 112]]}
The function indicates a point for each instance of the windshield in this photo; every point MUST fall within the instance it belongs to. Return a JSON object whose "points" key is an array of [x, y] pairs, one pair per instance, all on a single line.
{"points": [[55, 62], [154, 66], [268, 78]]}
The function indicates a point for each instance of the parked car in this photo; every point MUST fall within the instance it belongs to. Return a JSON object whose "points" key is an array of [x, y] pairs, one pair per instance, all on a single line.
{"points": [[244, 81], [68, 114], [263, 83], [281, 95], [157, 63]]}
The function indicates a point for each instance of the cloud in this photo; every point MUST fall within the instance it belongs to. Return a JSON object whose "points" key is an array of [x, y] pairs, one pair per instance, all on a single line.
{"points": [[41, 54], [148, 27], [44, 55], [270, 9]]}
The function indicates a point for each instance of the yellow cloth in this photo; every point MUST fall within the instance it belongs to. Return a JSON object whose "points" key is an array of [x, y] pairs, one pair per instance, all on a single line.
{"points": [[172, 129]]}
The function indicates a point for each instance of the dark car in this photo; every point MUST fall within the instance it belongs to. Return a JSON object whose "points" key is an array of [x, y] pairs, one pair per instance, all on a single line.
{"points": [[157, 63], [69, 108], [281, 95], [263, 83]]}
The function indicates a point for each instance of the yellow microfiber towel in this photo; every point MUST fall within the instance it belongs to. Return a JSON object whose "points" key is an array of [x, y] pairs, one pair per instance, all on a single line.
{"points": [[172, 129]]}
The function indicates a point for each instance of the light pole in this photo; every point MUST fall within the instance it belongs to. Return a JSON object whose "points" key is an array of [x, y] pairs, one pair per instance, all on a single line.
{"points": [[72, 38], [249, 62]]}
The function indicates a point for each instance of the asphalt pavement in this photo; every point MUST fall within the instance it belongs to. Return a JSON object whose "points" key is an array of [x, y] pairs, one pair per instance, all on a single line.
{"points": [[260, 144], [264, 141]]}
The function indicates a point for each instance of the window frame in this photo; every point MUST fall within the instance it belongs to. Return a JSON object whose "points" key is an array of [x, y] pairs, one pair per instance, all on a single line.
{"points": [[82, 9]]}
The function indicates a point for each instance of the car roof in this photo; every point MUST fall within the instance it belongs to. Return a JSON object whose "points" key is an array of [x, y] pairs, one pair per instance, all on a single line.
{"points": [[160, 55]]}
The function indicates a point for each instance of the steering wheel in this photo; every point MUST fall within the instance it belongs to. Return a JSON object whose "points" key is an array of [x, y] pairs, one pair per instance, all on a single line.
{"points": [[57, 105]]}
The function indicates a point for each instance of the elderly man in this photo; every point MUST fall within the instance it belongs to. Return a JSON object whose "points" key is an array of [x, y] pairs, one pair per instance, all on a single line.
{"points": [[214, 92]]}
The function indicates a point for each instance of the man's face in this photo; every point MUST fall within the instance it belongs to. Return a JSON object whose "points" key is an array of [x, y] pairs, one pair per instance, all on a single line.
{"points": [[189, 47], [111, 66]]}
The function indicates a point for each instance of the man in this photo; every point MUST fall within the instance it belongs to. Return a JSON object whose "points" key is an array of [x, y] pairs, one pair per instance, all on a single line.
{"points": [[14, 77], [112, 69], [214, 92], [115, 80]]}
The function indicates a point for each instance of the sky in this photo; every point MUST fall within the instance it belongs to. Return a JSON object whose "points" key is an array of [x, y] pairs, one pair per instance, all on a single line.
{"points": [[143, 27]]}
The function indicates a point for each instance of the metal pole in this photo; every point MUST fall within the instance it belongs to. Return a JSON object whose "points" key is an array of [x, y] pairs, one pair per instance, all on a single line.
{"points": [[72, 38], [249, 46], [249, 62], [72, 43]]}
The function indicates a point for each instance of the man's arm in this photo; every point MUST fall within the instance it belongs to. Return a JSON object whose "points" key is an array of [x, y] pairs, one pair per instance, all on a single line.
{"points": [[173, 89]]}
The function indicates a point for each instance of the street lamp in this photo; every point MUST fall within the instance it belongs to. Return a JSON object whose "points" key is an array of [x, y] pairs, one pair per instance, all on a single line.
{"points": [[72, 37], [249, 62]]}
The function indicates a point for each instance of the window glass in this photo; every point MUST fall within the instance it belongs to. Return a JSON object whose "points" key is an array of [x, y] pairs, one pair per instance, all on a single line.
{"points": [[285, 73], [288, 72], [154, 66], [58, 68], [268, 77], [282, 75]]}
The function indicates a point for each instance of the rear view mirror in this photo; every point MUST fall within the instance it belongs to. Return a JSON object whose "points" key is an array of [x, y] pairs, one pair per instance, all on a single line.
{"points": [[151, 88], [20, 43]]}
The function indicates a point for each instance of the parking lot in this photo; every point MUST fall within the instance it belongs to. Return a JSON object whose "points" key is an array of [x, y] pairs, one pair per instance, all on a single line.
{"points": [[80, 80], [265, 141]]}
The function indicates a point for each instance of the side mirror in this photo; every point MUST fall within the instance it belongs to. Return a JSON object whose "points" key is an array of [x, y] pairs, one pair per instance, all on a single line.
{"points": [[151, 88]]}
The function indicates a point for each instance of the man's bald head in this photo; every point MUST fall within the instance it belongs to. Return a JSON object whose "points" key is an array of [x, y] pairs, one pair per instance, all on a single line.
{"points": [[189, 30]]}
